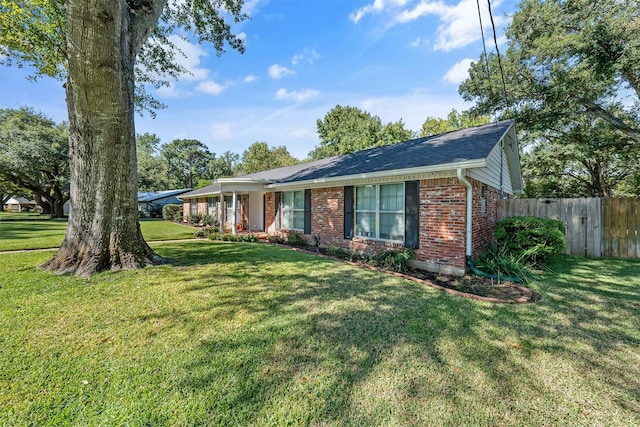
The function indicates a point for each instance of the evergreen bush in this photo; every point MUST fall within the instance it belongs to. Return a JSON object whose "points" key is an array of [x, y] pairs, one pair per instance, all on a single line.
{"points": [[172, 212], [530, 238]]}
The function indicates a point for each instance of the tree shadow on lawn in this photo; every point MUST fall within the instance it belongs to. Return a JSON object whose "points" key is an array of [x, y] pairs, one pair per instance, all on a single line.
{"points": [[339, 344]]}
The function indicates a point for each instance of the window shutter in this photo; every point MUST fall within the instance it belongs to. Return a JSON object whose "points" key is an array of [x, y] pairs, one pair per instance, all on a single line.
{"points": [[277, 197], [348, 211], [307, 211], [411, 214]]}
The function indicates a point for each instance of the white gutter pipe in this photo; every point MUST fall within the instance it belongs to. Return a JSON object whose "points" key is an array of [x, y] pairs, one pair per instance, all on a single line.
{"points": [[469, 229]]}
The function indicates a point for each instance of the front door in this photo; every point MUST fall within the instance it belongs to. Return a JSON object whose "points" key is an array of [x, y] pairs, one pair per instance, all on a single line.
{"points": [[256, 211]]}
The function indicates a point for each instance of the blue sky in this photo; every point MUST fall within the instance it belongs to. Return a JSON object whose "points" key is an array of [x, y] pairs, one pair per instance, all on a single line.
{"points": [[397, 59]]}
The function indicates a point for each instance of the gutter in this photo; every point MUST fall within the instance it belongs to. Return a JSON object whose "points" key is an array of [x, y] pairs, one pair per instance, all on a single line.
{"points": [[469, 232]]}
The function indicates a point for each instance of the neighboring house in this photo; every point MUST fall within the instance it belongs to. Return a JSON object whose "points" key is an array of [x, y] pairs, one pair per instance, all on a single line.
{"points": [[437, 194], [20, 204], [151, 203]]}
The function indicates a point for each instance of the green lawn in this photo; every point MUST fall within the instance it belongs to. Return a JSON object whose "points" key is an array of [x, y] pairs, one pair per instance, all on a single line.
{"points": [[30, 234], [252, 334]]}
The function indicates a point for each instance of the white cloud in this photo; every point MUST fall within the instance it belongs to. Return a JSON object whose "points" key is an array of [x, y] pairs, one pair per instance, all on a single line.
{"points": [[190, 60], [298, 96], [170, 91], [210, 87], [277, 71], [419, 42], [250, 6], [459, 24], [307, 55], [250, 78], [221, 131], [376, 7], [458, 72]]}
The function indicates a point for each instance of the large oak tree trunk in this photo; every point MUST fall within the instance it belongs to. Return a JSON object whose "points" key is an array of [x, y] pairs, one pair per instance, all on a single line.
{"points": [[103, 232]]}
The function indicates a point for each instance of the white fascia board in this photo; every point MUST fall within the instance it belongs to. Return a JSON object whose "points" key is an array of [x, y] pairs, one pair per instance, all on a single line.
{"points": [[384, 174], [197, 196], [241, 180]]}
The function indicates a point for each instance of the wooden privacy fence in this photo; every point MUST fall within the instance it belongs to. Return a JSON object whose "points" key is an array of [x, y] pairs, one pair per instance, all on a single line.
{"points": [[608, 227]]}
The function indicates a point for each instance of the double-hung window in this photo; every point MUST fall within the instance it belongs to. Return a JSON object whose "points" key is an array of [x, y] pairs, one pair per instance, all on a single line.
{"points": [[379, 211], [228, 201], [212, 206], [193, 206], [293, 210]]}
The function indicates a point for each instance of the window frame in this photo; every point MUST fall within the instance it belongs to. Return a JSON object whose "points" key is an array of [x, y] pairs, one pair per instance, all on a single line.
{"points": [[193, 207], [378, 211], [286, 210], [215, 200]]}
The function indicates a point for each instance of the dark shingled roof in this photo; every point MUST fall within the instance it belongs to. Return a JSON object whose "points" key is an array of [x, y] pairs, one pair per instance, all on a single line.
{"points": [[453, 147]]}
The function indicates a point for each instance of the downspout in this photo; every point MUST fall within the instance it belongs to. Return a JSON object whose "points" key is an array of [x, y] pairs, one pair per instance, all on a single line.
{"points": [[468, 225], [469, 233]]}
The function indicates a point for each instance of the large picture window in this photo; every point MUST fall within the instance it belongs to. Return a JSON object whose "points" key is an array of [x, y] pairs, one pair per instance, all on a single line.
{"points": [[293, 210], [379, 211]]}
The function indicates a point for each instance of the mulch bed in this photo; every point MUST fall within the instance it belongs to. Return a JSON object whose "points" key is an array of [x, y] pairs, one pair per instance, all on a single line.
{"points": [[468, 286]]}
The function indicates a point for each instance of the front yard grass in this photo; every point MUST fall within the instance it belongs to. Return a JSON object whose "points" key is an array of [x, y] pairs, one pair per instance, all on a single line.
{"points": [[252, 334], [38, 234]]}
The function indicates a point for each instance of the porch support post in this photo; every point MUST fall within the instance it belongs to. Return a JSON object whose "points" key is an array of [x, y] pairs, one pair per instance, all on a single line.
{"points": [[222, 212], [233, 214]]}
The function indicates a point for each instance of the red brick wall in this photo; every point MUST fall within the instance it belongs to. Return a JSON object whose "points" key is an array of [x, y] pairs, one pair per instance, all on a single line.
{"points": [[270, 213], [442, 223], [244, 210], [483, 223], [327, 215]]}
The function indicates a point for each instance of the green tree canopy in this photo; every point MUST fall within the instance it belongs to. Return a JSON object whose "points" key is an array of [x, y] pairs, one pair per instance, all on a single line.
{"points": [[572, 82], [454, 121], [187, 161], [34, 154], [349, 129], [260, 157], [152, 166], [224, 166]]}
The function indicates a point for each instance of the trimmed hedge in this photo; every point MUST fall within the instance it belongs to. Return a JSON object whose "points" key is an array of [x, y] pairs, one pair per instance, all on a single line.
{"points": [[531, 237]]}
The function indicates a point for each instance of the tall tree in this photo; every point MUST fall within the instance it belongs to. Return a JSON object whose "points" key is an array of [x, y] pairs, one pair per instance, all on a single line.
{"points": [[224, 166], [187, 160], [454, 121], [34, 155], [566, 58], [95, 46], [581, 159], [349, 129], [259, 157], [571, 79], [152, 167]]}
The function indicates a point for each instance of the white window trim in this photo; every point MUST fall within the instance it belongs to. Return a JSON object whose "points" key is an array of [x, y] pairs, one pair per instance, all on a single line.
{"points": [[377, 212], [216, 200], [293, 210]]}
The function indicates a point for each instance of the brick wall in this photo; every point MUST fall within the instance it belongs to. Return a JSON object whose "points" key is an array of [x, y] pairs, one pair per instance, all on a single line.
{"points": [[270, 213], [442, 225], [483, 223], [327, 215]]}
